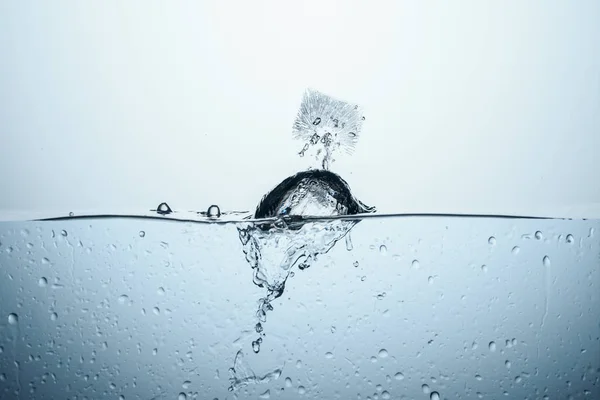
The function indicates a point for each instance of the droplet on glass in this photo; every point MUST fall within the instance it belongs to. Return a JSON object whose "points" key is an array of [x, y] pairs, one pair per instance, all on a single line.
{"points": [[492, 346], [484, 268], [492, 241], [213, 211], [301, 390], [123, 298], [255, 346], [329, 355], [63, 233], [383, 249], [163, 209], [53, 316], [570, 238], [546, 261], [399, 376], [507, 364], [13, 319], [317, 121], [538, 235], [182, 396], [161, 291], [516, 250], [434, 396], [415, 264], [383, 353], [425, 389], [43, 282], [356, 264], [142, 234]]}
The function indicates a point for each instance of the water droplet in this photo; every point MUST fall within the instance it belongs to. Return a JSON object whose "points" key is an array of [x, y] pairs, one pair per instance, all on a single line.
{"points": [[161, 291], [182, 396], [492, 241], [518, 379], [301, 390], [355, 264], [538, 235], [156, 310], [258, 327], [123, 298], [507, 364], [64, 233], [516, 250], [142, 233], [546, 261], [213, 211], [434, 396], [478, 377], [71, 214], [53, 316], [163, 209], [363, 278], [317, 121], [383, 249], [363, 118], [425, 388], [299, 364], [484, 268], [352, 134], [288, 382], [570, 238], [430, 280], [385, 395], [329, 355], [514, 342], [13, 318], [266, 394], [333, 329], [256, 346], [399, 376], [492, 346], [43, 282], [415, 264], [383, 353]]}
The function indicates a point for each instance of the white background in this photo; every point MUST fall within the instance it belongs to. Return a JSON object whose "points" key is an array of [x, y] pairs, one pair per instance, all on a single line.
{"points": [[481, 107]]}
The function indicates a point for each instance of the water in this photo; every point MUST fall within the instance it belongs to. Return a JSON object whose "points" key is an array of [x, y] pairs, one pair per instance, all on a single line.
{"points": [[78, 320]]}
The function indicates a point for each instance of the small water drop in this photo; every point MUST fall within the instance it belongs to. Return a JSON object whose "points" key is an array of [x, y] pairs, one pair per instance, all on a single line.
{"points": [[155, 352], [301, 390], [546, 261], [518, 379], [383, 353], [288, 382], [298, 363], [182, 396], [352, 134], [71, 214], [484, 268], [329, 355], [538, 235], [266, 394], [355, 264], [123, 298], [258, 327], [332, 329], [363, 118], [399, 376], [425, 389], [13, 319], [161, 291], [163, 209], [570, 238], [514, 342], [363, 278], [43, 282], [383, 249], [430, 280], [492, 346], [415, 264], [317, 121], [478, 377], [516, 250], [507, 364], [64, 233], [53, 316], [156, 310], [213, 211], [256, 346], [492, 241], [434, 396], [142, 234], [385, 395]]}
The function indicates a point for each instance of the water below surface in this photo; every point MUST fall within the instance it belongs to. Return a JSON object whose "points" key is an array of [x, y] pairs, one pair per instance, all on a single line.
{"points": [[378, 308]]}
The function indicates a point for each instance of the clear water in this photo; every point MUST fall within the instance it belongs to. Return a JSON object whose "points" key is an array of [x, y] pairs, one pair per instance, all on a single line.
{"points": [[378, 308]]}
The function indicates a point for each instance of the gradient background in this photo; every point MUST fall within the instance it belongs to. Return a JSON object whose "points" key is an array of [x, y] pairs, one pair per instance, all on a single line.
{"points": [[481, 107]]}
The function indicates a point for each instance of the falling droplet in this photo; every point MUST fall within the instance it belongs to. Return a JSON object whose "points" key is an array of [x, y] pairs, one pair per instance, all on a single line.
{"points": [[383, 353], [492, 241], [546, 261], [317, 121], [142, 234], [434, 396], [13, 319], [43, 282], [492, 346], [516, 250], [163, 209], [213, 211], [538, 235], [383, 249], [416, 264], [570, 238]]}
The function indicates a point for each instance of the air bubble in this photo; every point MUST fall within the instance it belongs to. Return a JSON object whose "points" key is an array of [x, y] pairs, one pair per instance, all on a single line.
{"points": [[492, 346], [516, 250], [13, 318], [213, 211], [434, 396], [383, 249], [43, 282], [492, 241], [163, 209], [546, 261], [415, 264], [142, 234]]}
